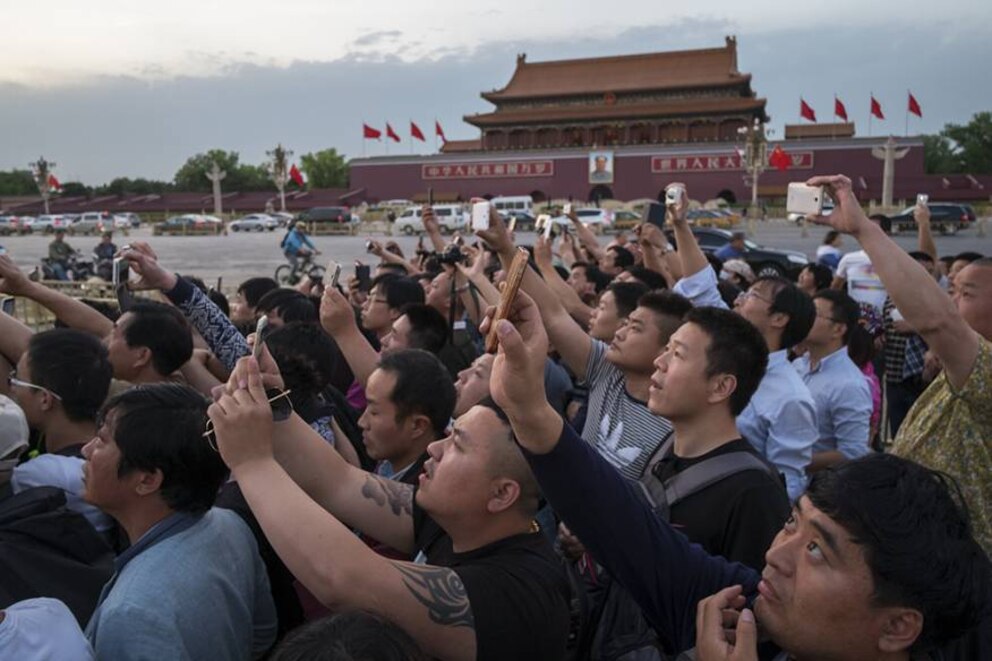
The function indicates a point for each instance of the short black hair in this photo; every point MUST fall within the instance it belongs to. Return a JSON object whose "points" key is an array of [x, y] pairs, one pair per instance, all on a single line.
{"points": [[968, 256], [398, 290], [651, 279], [844, 310], [73, 365], [218, 299], [399, 269], [160, 427], [428, 327], [670, 306], [622, 258], [914, 529], [736, 348], [830, 237], [289, 304], [822, 275], [794, 302], [599, 279], [253, 289], [921, 256], [626, 295], [164, 331], [354, 636], [423, 385], [306, 357]]}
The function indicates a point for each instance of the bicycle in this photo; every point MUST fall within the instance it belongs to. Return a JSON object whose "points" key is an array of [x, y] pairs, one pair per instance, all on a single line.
{"points": [[288, 275]]}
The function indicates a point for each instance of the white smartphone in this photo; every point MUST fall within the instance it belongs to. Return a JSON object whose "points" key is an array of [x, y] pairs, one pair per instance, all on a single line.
{"points": [[512, 225], [549, 229], [260, 328], [922, 199], [896, 315], [335, 270], [674, 195], [804, 200], [568, 209], [480, 216]]}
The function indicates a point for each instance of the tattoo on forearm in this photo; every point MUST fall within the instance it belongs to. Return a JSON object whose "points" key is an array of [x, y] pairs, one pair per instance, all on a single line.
{"points": [[398, 496], [442, 592]]}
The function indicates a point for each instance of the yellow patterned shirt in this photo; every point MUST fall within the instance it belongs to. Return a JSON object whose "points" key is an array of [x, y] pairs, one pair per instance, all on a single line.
{"points": [[952, 432]]}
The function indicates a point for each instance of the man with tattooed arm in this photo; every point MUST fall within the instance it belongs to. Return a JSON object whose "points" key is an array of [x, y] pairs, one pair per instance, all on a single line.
{"points": [[485, 585]]}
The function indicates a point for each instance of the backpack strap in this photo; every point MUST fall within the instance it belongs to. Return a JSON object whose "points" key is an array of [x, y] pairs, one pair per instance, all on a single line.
{"points": [[699, 476]]}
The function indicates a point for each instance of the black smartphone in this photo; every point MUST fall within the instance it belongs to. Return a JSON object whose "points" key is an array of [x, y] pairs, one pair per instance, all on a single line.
{"points": [[430, 197], [124, 299], [656, 215], [364, 274], [8, 305], [220, 283]]}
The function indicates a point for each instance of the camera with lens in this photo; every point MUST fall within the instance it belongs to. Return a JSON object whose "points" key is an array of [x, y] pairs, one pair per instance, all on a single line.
{"points": [[452, 255]]}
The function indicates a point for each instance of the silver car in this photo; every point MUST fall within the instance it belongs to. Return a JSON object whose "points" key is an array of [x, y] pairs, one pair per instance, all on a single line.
{"points": [[256, 222]]}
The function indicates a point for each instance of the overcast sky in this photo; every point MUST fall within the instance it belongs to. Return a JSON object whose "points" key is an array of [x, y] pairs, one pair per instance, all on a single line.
{"points": [[110, 88]]}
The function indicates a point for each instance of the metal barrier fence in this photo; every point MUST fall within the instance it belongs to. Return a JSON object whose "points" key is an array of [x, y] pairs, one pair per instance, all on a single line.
{"points": [[39, 318]]}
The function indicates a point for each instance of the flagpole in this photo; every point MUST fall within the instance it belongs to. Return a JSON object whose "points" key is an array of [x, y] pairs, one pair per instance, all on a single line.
{"points": [[907, 113], [387, 138], [364, 142], [870, 113]]}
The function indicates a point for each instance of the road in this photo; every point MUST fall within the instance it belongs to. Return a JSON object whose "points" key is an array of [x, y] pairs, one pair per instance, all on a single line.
{"points": [[243, 255]]}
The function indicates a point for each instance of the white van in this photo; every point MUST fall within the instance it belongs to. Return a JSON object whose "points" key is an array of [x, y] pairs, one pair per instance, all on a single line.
{"points": [[450, 218], [514, 203]]}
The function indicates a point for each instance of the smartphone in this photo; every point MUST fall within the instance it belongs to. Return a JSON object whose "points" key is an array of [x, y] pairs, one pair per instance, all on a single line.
{"points": [[567, 210], [922, 199], [8, 305], [550, 227], [260, 327], [512, 225], [124, 299], [804, 200], [121, 272], [656, 213], [335, 270], [430, 197], [220, 283], [896, 315], [514, 277], [368, 246], [674, 195], [480, 216], [364, 274]]}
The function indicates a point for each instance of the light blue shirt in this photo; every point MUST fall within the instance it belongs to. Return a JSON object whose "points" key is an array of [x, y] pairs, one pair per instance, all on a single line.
{"points": [[780, 419], [201, 592], [843, 403]]}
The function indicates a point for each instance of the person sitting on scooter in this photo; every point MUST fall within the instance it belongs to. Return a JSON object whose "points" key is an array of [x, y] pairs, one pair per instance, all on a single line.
{"points": [[58, 255], [297, 244], [104, 253]]}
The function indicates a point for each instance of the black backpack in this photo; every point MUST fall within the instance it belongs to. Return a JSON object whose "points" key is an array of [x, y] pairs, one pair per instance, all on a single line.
{"points": [[614, 628]]}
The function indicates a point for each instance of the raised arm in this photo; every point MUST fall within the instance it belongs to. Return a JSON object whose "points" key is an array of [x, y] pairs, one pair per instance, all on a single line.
{"points": [[924, 305], [573, 343], [14, 336], [429, 603], [71, 312], [926, 244], [691, 256], [579, 311], [658, 254], [587, 238], [432, 228], [338, 319], [386, 256]]}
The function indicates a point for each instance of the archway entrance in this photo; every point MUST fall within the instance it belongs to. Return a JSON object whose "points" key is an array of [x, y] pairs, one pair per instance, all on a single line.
{"points": [[538, 196], [727, 196], [599, 193]]}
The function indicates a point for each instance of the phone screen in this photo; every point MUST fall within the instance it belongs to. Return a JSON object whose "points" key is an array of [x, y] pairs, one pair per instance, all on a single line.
{"points": [[430, 197], [124, 299], [364, 274], [336, 273], [656, 215], [8, 305]]}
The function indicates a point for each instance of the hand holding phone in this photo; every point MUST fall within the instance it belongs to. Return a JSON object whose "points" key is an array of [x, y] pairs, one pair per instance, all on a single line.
{"points": [[657, 213], [514, 276], [480, 216], [335, 270], [922, 199], [260, 327]]}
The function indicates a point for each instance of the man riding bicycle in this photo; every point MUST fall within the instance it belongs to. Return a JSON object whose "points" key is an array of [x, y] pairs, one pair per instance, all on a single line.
{"points": [[297, 244]]}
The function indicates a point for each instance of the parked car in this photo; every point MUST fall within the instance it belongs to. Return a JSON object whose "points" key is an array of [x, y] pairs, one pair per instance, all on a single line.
{"points": [[945, 218], [15, 225], [326, 215], [282, 217], [127, 220], [763, 261], [92, 222], [593, 217], [524, 221], [46, 223], [625, 220], [189, 221], [450, 218], [256, 222]]}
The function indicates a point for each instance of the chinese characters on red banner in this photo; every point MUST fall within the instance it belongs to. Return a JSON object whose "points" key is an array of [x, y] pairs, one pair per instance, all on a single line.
{"points": [[489, 170], [802, 160]]}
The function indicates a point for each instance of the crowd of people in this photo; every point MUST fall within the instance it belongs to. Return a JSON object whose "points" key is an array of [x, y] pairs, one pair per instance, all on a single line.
{"points": [[666, 457]]}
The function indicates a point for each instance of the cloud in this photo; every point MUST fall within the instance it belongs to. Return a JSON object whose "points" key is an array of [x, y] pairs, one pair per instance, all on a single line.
{"points": [[375, 38], [127, 126]]}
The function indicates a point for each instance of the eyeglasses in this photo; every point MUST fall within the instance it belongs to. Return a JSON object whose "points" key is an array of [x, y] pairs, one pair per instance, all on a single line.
{"points": [[14, 381], [280, 411], [751, 293]]}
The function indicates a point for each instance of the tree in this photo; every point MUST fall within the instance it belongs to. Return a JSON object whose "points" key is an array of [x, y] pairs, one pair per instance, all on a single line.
{"points": [[139, 186], [973, 143], [325, 169], [75, 189], [192, 176], [17, 182]]}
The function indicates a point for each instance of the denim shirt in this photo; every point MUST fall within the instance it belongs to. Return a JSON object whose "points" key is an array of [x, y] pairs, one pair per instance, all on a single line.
{"points": [[843, 403], [780, 419]]}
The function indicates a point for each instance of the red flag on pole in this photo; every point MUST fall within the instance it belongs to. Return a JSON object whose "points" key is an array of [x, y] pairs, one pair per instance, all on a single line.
{"points": [[370, 133], [53, 182], [805, 111], [415, 132], [390, 133], [439, 131], [914, 106], [876, 108], [779, 159], [839, 109], [296, 176]]}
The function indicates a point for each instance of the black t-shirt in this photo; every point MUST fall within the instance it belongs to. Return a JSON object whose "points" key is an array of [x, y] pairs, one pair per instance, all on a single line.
{"points": [[516, 587], [737, 517]]}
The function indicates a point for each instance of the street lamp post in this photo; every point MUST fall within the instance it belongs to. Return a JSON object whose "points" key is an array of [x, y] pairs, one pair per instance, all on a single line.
{"points": [[755, 157], [279, 171], [42, 170]]}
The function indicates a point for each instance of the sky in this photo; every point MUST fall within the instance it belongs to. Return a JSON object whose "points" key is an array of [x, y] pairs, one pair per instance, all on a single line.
{"points": [[107, 88]]}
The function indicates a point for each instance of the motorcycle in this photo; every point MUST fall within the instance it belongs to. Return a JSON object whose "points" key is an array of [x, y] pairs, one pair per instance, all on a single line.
{"points": [[76, 268]]}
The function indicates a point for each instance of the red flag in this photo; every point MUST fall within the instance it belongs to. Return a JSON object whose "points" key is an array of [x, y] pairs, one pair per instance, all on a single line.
{"points": [[914, 106], [370, 133], [438, 131], [876, 108], [779, 159], [839, 109], [416, 133], [53, 182], [805, 111], [294, 174], [390, 133]]}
